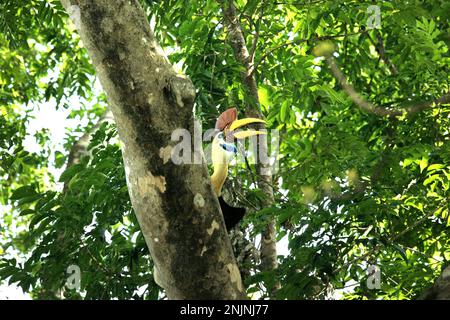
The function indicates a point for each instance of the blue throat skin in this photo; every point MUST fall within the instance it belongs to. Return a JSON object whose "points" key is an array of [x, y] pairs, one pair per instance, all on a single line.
{"points": [[230, 147]]}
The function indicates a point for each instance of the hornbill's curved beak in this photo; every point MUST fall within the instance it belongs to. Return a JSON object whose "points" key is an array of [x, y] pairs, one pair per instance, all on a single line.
{"points": [[228, 123]]}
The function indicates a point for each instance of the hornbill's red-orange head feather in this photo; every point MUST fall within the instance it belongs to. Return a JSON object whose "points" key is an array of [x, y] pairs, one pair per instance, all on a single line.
{"points": [[226, 118]]}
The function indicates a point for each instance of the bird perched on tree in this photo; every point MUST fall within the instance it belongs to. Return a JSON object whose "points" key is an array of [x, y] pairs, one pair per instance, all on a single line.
{"points": [[222, 152]]}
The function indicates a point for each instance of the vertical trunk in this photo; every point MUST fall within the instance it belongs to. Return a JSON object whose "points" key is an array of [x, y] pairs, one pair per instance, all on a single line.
{"points": [[237, 40], [175, 205], [441, 288]]}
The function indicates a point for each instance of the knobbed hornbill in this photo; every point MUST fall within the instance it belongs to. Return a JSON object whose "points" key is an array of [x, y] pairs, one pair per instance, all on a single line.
{"points": [[222, 152]]}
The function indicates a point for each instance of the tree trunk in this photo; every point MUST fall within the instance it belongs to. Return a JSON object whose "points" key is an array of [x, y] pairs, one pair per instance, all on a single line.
{"points": [[268, 238], [441, 288], [175, 205]]}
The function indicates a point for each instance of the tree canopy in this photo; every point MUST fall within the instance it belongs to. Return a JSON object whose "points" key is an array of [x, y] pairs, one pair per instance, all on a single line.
{"points": [[358, 92]]}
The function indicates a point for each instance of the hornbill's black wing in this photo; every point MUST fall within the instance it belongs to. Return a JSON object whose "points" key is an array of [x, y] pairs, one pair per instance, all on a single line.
{"points": [[231, 215]]}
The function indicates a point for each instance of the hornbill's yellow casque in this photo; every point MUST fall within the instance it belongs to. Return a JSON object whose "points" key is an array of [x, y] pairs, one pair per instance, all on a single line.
{"points": [[222, 151]]}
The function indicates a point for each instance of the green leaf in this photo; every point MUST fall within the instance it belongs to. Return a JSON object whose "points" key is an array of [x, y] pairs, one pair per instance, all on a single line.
{"points": [[60, 159], [70, 172], [22, 192], [27, 212], [435, 167], [423, 163], [401, 251], [431, 179], [284, 111]]}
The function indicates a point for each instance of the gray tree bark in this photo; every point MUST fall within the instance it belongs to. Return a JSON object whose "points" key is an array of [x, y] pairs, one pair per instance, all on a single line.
{"points": [[175, 205]]}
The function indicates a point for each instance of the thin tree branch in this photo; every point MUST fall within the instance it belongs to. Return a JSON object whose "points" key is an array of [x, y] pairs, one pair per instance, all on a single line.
{"points": [[80, 147], [257, 26], [369, 107], [391, 240], [297, 42], [379, 45]]}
